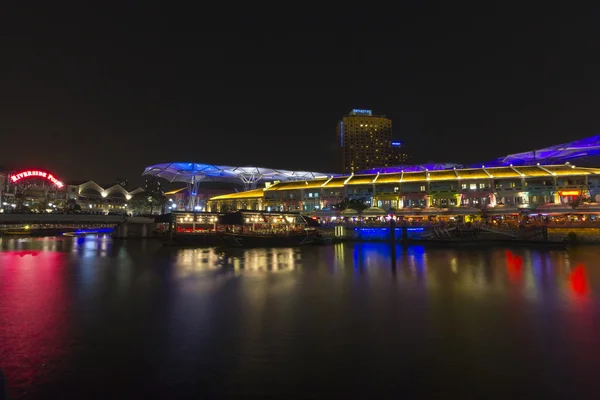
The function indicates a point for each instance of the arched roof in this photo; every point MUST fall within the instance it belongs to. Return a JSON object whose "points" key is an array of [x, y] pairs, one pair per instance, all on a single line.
{"points": [[411, 168], [559, 154], [582, 150], [191, 172]]}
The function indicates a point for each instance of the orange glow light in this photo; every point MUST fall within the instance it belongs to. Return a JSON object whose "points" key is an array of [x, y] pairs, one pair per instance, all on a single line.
{"points": [[570, 193]]}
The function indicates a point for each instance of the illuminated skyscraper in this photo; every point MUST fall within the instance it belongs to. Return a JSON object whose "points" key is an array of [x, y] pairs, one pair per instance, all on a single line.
{"points": [[364, 141], [399, 155]]}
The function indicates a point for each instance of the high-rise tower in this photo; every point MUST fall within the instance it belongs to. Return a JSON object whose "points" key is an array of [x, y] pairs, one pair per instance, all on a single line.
{"points": [[364, 141]]}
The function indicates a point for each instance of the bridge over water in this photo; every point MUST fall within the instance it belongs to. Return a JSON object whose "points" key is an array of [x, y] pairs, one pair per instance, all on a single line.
{"points": [[59, 223], [11, 219]]}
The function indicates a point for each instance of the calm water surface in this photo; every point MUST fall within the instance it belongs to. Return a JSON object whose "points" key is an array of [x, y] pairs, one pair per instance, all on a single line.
{"points": [[92, 318]]}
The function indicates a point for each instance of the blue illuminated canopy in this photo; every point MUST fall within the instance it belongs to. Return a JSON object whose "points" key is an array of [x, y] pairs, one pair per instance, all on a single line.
{"points": [[411, 168], [191, 172], [582, 150], [585, 151]]}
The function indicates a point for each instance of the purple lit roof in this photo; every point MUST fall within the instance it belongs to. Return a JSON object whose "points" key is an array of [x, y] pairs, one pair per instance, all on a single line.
{"points": [[411, 168], [559, 154], [189, 172]]}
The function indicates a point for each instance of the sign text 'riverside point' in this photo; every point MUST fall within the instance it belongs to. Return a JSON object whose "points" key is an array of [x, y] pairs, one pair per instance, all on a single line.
{"points": [[36, 174]]}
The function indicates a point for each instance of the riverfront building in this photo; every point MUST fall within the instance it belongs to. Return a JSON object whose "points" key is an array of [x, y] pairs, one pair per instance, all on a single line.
{"points": [[525, 187], [364, 141], [42, 191], [564, 175]]}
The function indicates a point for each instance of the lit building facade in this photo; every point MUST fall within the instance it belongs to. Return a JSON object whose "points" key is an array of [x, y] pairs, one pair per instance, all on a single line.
{"points": [[92, 197], [399, 155], [41, 191], [525, 187], [364, 141]]}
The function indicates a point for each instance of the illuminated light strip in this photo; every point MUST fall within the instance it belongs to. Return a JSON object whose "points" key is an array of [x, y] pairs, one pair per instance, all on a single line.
{"points": [[386, 229], [99, 230], [546, 170], [569, 192], [323, 185], [350, 177], [374, 180]]}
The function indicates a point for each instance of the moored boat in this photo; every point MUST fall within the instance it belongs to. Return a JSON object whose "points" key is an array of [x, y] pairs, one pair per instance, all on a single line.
{"points": [[241, 229], [269, 240]]}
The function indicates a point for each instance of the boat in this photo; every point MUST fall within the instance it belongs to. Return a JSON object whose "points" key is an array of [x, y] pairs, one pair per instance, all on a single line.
{"points": [[269, 240], [245, 228], [267, 229]]}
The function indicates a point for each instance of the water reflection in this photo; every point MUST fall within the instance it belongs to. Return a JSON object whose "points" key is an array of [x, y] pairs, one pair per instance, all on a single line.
{"points": [[217, 323], [34, 317], [258, 260]]}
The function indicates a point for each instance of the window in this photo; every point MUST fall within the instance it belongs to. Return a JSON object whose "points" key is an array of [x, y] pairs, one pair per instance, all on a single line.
{"points": [[512, 184], [310, 195], [473, 186], [422, 188], [464, 186], [482, 186]]}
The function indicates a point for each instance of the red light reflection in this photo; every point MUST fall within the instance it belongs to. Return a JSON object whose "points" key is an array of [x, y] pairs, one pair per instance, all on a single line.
{"points": [[514, 266], [578, 281], [33, 318]]}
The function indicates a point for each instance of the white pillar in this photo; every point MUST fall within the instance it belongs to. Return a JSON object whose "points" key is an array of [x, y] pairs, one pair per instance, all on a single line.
{"points": [[144, 230]]}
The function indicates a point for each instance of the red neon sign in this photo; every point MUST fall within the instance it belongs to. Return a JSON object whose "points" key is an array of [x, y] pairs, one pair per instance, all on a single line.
{"points": [[36, 174]]}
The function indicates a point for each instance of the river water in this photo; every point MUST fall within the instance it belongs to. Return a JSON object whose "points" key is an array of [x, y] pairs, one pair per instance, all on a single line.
{"points": [[92, 318]]}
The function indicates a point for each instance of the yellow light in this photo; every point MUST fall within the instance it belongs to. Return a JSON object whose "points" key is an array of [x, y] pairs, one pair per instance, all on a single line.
{"points": [[27, 227], [569, 193]]}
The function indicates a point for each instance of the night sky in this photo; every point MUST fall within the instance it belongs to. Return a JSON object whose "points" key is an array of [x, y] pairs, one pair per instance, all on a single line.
{"points": [[99, 94]]}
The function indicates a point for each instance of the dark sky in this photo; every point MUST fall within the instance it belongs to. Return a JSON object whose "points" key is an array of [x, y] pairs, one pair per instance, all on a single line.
{"points": [[101, 93]]}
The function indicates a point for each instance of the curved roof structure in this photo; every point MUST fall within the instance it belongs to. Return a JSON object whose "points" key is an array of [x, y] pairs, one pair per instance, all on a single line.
{"points": [[559, 154], [581, 150], [417, 178], [192, 173], [411, 168]]}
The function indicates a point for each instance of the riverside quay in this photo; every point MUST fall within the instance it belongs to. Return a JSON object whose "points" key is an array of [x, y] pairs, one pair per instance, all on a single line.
{"points": [[525, 187]]}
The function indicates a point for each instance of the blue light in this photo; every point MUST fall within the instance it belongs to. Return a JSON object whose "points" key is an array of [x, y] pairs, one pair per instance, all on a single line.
{"points": [[558, 154], [415, 229], [396, 144], [99, 230], [357, 111], [342, 133]]}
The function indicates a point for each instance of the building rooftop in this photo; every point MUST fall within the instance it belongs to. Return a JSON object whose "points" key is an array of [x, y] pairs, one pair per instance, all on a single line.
{"points": [[194, 172], [425, 176]]}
